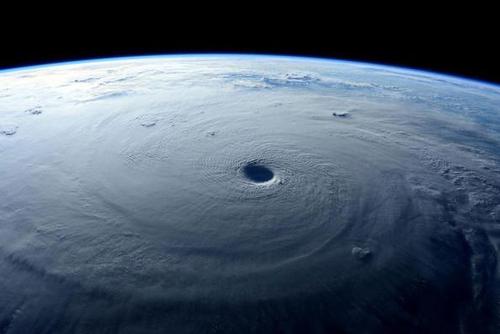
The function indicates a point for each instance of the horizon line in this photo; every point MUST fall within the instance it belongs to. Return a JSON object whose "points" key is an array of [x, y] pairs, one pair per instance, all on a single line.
{"points": [[249, 54]]}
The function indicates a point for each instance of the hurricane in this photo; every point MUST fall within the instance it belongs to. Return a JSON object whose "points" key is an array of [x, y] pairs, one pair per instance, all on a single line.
{"points": [[247, 194]]}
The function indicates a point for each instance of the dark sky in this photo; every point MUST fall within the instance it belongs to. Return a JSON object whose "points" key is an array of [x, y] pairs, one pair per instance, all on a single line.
{"points": [[448, 44]]}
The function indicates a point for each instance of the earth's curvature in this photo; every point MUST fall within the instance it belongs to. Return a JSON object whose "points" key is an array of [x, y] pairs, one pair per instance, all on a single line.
{"points": [[247, 194]]}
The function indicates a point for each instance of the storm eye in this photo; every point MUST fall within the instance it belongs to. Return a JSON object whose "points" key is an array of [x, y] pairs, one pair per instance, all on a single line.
{"points": [[257, 173]]}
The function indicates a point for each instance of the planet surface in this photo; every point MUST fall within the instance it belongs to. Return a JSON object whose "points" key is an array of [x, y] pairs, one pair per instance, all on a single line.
{"points": [[247, 194]]}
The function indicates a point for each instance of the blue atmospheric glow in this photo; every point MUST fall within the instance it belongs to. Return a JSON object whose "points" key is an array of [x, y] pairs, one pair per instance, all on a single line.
{"points": [[406, 69]]}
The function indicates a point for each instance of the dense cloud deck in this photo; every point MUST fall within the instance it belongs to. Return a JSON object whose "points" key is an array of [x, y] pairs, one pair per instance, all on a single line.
{"points": [[234, 194]]}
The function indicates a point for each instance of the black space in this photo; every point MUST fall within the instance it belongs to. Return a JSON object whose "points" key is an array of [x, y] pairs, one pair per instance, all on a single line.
{"points": [[464, 46]]}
